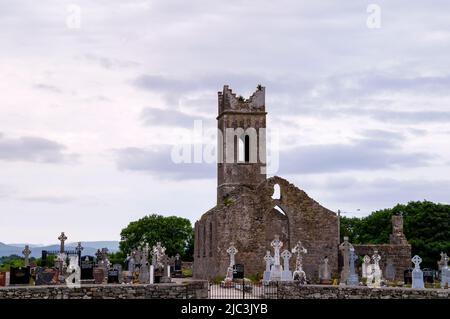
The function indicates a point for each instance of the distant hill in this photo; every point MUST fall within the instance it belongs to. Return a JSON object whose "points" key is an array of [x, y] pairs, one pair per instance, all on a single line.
{"points": [[90, 248]]}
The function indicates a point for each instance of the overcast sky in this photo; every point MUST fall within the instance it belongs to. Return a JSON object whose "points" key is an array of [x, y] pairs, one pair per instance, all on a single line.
{"points": [[94, 95]]}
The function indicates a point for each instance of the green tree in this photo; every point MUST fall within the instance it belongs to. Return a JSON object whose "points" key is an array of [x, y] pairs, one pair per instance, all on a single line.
{"points": [[117, 258], [175, 233], [426, 226]]}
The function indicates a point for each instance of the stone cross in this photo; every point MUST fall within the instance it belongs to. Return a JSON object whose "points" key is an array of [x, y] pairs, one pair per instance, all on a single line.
{"points": [[365, 266], [232, 251], [268, 260], [62, 238], [146, 251], [345, 248], [79, 248], [417, 274], [276, 244], [416, 261], [299, 250], [352, 279], [376, 259], [376, 270], [286, 255], [26, 252], [99, 255]]}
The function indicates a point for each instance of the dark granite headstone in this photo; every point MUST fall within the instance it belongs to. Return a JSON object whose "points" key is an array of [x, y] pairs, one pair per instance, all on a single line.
{"points": [[113, 276], [238, 271], [87, 268], [44, 276], [20, 276]]}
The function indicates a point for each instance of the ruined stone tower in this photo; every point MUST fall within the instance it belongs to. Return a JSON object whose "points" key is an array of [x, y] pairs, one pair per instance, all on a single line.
{"points": [[251, 208], [242, 147], [247, 213]]}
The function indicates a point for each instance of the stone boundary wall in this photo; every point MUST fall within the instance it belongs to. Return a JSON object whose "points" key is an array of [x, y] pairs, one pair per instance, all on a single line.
{"points": [[295, 291], [188, 290]]}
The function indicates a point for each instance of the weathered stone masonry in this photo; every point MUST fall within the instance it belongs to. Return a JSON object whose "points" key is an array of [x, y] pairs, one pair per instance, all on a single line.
{"points": [[247, 215], [190, 290]]}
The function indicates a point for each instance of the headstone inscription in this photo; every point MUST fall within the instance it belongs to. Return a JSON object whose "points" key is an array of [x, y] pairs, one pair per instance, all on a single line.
{"points": [[417, 274], [19, 275]]}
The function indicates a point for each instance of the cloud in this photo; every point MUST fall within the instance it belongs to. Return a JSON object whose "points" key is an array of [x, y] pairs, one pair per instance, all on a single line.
{"points": [[51, 199], [158, 161], [110, 63], [48, 88], [167, 117], [376, 150], [386, 192], [33, 149]]}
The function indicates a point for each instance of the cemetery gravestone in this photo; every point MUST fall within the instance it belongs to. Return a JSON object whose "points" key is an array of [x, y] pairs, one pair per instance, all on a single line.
{"points": [[275, 272], [286, 275], [376, 270], [417, 274], [390, 270], [365, 266], [73, 271], [238, 271], [44, 276], [345, 249], [26, 252], [445, 271], [166, 273], [99, 275], [87, 268], [113, 276], [144, 274], [2, 278], [299, 273], [324, 272], [19, 275], [177, 265], [352, 276], [269, 261]]}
